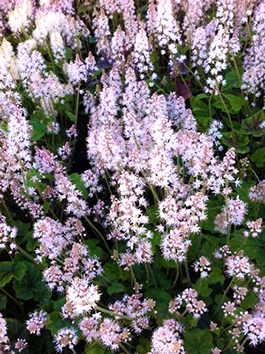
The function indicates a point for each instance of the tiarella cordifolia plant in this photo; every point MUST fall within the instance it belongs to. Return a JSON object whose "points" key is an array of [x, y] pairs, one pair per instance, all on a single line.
{"points": [[132, 192]]}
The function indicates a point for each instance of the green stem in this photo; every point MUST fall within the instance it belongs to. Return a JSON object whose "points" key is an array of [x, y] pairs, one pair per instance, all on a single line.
{"points": [[147, 273], [226, 109], [229, 345], [243, 343], [108, 174], [199, 243], [167, 271], [77, 104], [98, 233], [107, 182], [45, 203], [50, 54], [228, 233], [223, 297], [24, 179], [177, 276], [184, 313], [236, 67], [11, 297], [152, 275], [210, 106], [28, 256], [228, 229], [191, 72], [239, 78], [257, 211], [123, 348], [254, 173], [153, 191], [187, 272], [133, 279], [114, 314], [145, 177], [105, 278], [227, 328], [76, 117], [59, 261], [184, 82], [160, 88], [6, 209]]}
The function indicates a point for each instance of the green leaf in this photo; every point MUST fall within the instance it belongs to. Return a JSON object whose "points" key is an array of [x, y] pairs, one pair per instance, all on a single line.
{"points": [[251, 125], [92, 39], [204, 121], [152, 213], [162, 299], [81, 9], [4, 126], [162, 282], [41, 344], [158, 295], [55, 322], [8, 270], [220, 342], [217, 103], [23, 292], [209, 244], [249, 302], [238, 140], [198, 341], [144, 346], [156, 239], [14, 328], [31, 244], [96, 74], [213, 209], [71, 116], [94, 348], [6, 273], [113, 272], [243, 191], [145, 342], [201, 96], [23, 227], [110, 271], [116, 288], [236, 101], [202, 288], [216, 276], [259, 157], [93, 249], [255, 252], [68, 53], [39, 128], [19, 270], [232, 80], [77, 180], [167, 263], [252, 248], [140, 349], [31, 285], [199, 107], [58, 304], [3, 301]]}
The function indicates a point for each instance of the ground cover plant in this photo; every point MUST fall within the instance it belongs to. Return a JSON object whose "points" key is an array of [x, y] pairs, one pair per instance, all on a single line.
{"points": [[132, 187]]}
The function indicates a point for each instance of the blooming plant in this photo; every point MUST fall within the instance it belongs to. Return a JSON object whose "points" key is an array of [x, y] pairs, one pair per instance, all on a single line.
{"points": [[132, 188]]}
